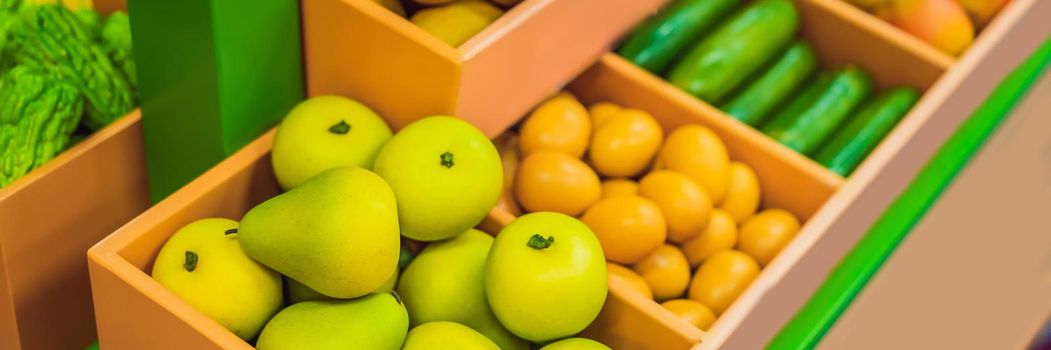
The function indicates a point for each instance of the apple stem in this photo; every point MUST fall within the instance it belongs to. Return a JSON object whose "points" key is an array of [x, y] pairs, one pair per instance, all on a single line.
{"points": [[447, 160], [538, 242], [340, 128], [191, 261], [231, 231]]}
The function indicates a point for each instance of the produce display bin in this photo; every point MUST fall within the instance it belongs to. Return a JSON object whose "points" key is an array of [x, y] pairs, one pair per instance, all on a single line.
{"points": [[420, 76], [840, 34], [48, 220], [358, 48]]}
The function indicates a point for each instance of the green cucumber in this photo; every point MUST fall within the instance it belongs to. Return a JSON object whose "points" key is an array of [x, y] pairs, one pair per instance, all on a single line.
{"points": [[804, 128], [663, 37], [759, 97], [736, 50], [850, 145]]}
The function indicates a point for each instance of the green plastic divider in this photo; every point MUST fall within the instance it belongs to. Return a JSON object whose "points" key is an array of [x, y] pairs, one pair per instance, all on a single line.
{"points": [[213, 76], [818, 315]]}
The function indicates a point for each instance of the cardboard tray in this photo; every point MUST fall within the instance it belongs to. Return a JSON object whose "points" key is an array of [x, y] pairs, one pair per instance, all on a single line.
{"points": [[135, 312], [358, 48], [48, 220]]}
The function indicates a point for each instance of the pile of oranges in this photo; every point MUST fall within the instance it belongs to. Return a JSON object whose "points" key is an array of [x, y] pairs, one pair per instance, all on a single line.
{"points": [[676, 217]]}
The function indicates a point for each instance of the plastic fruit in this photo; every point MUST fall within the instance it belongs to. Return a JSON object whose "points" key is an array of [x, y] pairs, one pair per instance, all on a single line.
{"points": [[297, 292], [742, 192], [325, 132], [941, 23], [766, 233], [982, 11], [666, 271], [575, 344], [376, 321], [337, 233], [507, 146], [445, 283], [692, 312], [546, 276], [601, 112], [696, 151], [619, 187], [625, 143], [203, 264], [444, 335], [559, 124], [632, 279], [685, 204], [554, 181], [719, 235], [446, 175], [628, 227], [458, 21], [723, 278]]}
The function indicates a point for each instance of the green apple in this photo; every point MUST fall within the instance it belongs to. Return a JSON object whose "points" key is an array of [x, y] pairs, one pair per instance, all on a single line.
{"points": [[337, 233], [203, 264], [445, 174], [545, 276], [444, 335], [325, 132], [445, 283], [375, 321]]}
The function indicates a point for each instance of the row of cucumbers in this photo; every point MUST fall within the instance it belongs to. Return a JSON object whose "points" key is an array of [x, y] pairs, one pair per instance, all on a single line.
{"points": [[746, 60]]}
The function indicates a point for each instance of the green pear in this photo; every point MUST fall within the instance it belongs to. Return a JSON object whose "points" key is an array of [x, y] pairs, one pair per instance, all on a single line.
{"points": [[297, 292], [575, 344], [337, 233], [373, 322], [325, 132], [445, 283], [446, 175], [444, 335], [204, 265]]}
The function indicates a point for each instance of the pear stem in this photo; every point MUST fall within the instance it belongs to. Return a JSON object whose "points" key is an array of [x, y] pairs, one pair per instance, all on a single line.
{"points": [[538, 242], [340, 128], [447, 160], [191, 261]]}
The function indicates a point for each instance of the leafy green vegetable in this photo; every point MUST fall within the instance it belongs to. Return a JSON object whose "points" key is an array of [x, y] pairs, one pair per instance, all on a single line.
{"points": [[38, 113], [116, 41], [53, 37]]}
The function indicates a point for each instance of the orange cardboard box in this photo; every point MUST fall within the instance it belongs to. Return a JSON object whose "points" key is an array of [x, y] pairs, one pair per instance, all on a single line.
{"points": [[135, 312], [358, 48], [48, 220]]}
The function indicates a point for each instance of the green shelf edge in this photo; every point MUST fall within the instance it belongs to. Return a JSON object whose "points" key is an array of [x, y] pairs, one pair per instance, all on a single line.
{"points": [[852, 274]]}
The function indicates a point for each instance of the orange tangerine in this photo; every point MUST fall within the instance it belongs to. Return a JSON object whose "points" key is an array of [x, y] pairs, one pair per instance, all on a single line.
{"points": [[683, 202], [559, 124], [742, 192], [628, 227], [722, 278], [719, 235], [619, 187], [555, 181], [692, 312], [766, 233], [625, 143], [666, 271], [696, 151]]}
